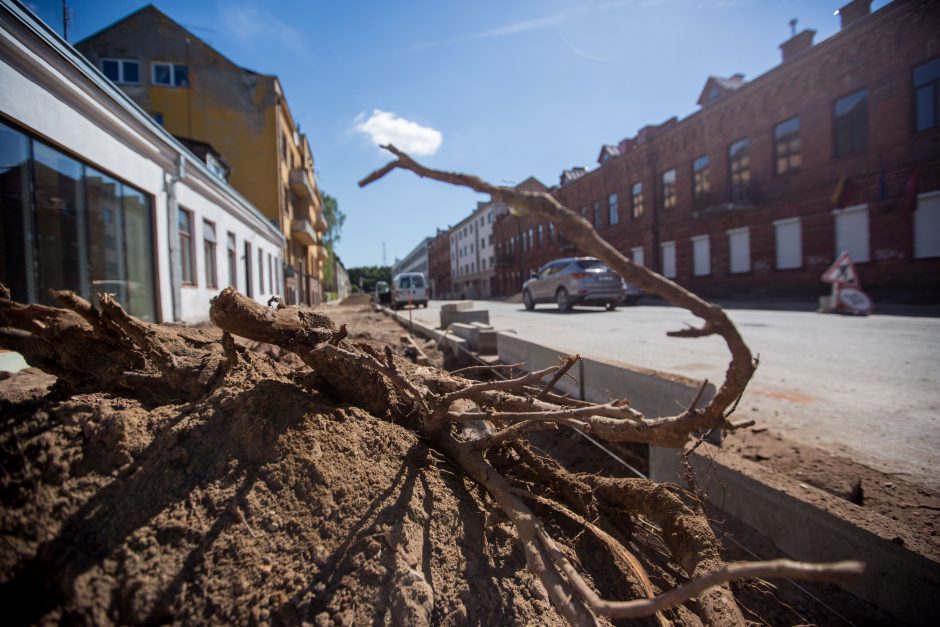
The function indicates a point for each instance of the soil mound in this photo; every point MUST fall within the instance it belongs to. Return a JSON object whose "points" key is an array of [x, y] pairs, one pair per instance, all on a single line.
{"points": [[356, 299], [254, 504]]}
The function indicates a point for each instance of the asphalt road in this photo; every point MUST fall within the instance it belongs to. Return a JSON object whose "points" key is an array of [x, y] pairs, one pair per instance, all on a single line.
{"points": [[868, 388]]}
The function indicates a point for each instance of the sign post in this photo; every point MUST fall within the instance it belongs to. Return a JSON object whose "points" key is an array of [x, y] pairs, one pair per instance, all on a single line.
{"points": [[847, 295]]}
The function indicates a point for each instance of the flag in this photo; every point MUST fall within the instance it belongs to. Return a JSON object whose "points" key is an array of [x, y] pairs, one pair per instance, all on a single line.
{"points": [[845, 193]]}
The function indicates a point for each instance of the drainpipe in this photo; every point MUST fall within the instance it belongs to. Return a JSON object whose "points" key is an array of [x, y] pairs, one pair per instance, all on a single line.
{"points": [[173, 235]]}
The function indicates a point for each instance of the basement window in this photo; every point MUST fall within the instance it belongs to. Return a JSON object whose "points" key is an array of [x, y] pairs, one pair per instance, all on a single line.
{"points": [[170, 74], [122, 70]]}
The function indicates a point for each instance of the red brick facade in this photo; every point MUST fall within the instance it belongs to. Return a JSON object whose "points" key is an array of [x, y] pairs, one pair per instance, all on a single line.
{"points": [[867, 157], [439, 264]]}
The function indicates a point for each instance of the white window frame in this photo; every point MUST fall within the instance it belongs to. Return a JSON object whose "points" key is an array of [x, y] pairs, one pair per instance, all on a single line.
{"points": [[701, 255], [858, 246], [927, 225], [121, 61], [782, 254], [668, 262], [736, 263], [172, 66]]}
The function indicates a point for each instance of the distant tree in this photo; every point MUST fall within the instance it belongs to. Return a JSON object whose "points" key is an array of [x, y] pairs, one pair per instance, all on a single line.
{"points": [[334, 228], [369, 275]]}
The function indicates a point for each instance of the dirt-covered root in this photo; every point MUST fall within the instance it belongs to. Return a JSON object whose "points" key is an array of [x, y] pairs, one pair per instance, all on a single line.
{"points": [[96, 349]]}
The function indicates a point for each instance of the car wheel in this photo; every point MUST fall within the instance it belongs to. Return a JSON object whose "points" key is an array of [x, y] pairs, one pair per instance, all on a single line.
{"points": [[611, 306], [561, 297], [527, 300]]}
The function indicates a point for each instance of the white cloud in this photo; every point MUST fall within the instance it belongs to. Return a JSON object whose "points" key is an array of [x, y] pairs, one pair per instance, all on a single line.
{"points": [[383, 127]]}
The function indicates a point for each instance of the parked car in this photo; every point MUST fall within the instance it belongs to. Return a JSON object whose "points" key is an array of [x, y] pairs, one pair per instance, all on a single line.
{"points": [[409, 287], [577, 281], [382, 295]]}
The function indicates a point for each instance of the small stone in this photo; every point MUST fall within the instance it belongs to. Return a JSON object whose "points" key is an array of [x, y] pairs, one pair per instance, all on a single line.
{"points": [[888, 484], [898, 540], [323, 620]]}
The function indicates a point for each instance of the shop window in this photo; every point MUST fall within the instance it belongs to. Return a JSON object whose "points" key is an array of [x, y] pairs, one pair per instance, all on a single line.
{"points": [[787, 148], [788, 243], [851, 123]]}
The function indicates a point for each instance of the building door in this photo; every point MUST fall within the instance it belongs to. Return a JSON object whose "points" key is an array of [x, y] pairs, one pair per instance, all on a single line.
{"points": [[927, 226]]}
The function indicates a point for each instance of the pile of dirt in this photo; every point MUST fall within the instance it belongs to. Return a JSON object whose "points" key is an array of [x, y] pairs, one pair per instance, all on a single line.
{"points": [[262, 502], [356, 299]]}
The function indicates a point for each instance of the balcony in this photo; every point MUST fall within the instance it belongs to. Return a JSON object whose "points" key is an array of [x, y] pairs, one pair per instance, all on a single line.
{"points": [[301, 183], [303, 232], [742, 198], [320, 224]]}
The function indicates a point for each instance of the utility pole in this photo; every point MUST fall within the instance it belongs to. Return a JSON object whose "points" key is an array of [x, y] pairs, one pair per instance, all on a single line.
{"points": [[66, 19]]}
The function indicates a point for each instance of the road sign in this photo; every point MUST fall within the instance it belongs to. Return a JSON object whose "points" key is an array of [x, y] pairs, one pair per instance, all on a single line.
{"points": [[842, 272], [852, 300]]}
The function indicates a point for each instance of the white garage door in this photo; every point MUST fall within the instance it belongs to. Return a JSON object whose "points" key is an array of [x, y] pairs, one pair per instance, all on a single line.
{"points": [[789, 244], [852, 233], [669, 259], [638, 256], [927, 226], [701, 256], [739, 241]]}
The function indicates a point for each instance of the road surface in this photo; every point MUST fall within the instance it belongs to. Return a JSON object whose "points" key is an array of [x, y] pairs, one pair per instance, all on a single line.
{"points": [[867, 388]]}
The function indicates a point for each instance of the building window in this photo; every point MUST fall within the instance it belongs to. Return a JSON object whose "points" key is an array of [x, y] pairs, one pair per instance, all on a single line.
{"points": [[927, 95], [668, 256], [122, 70], [187, 256], [540, 235], [598, 223], [638, 256], [739, 165], [927, 226], [739, 242], [852, 232], [669, 189], [787, 145], [260, 272], [613, 215], [788, 243], [271, 273], [637, 200], [67, 226], [170, 75], [232, 261], [249, 283], [208, 245], [701, 183], [530, 234], [851, 123], [701, 256], [551, 231]]}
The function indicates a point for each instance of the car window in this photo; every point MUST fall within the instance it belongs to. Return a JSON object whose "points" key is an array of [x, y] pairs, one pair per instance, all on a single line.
{"points": [[417, 281], [545, 271], [404, 282], [591, 264]]}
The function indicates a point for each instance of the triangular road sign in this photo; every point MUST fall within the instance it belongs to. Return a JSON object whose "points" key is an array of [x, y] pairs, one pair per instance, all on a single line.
{"points": [[842, 272]]}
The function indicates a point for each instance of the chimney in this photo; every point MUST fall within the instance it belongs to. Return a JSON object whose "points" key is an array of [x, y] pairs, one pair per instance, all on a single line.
{"points": [[797, 45], [854, 11]]}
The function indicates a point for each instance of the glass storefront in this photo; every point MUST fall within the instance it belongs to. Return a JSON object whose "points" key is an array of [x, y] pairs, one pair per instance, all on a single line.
{"points": [[78, 229]]}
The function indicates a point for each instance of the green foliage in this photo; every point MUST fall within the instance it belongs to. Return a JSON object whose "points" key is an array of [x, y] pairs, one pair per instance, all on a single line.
{"points": [[369, 275], [334, 228]]}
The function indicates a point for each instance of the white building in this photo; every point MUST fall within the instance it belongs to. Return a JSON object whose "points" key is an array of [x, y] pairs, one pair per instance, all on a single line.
{"points": [[96, 196], [472, 256], [415, 261]]}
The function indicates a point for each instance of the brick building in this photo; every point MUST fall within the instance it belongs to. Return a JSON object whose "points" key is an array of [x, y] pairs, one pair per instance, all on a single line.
{"points": [[755, 194], [439, 264]]}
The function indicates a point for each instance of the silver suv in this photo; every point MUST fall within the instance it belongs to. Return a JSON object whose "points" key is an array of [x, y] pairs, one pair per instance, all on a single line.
{"points": [[577, 281]]}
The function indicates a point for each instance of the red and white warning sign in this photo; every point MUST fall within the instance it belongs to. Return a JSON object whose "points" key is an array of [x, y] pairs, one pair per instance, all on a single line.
{"points": [[852, 300], [842, 272]]}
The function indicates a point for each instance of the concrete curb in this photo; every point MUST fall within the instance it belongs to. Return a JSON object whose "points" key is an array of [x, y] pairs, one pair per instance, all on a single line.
{"points": [[812, 525], [457, 345]]}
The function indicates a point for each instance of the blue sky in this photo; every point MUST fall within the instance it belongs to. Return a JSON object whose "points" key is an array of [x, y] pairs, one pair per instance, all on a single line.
{"points": [[504, 90]]}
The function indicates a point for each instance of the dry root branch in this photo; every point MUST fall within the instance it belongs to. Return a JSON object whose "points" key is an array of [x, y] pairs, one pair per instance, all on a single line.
{"points": [[105, 349]]}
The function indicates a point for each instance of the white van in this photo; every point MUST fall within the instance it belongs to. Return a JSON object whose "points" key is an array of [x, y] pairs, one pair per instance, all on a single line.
{"points": [[409, 287]]}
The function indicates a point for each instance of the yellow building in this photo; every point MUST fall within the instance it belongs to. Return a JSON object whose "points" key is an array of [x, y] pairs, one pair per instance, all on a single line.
{"points": [[198, 94]]}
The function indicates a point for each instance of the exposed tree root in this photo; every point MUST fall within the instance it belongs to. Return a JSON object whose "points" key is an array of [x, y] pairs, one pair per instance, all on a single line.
{"points": [[105, 349]]}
